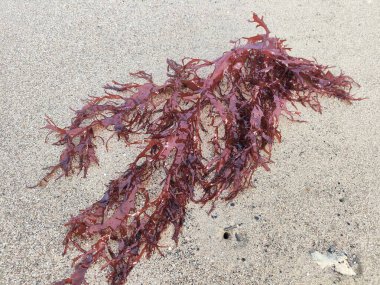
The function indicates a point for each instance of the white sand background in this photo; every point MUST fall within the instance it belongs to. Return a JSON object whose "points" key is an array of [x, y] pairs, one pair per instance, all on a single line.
{"points": [[322, 191]]}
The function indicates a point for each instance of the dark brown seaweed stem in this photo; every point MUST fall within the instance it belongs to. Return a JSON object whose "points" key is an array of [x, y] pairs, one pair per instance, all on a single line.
{"points": [[243, 98]]}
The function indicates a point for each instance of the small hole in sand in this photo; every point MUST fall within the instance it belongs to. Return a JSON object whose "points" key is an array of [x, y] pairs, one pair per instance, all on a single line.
{"points": [[226, 235]]}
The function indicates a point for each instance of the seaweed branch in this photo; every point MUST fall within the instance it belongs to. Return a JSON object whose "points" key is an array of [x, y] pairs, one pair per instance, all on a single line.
{"points": [[249, 88]]}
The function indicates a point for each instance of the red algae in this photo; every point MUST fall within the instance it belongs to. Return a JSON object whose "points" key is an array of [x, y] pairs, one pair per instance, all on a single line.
{"points": [[249, 88]]}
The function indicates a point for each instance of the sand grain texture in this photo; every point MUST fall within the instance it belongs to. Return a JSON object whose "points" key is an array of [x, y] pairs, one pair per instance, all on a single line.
{"points": [[323, 189]]}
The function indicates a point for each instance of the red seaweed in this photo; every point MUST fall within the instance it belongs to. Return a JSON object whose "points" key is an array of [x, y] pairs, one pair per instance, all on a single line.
{"points": [[238, 104]]}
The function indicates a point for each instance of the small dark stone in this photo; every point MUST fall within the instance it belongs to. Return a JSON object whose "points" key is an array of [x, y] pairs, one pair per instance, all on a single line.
{"points": [[232, 204], [226, 235], [257, 218], [341, 200], [243, 259], [331, 249]]}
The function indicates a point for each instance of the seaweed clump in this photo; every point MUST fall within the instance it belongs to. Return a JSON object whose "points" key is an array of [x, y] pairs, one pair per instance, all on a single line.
{"points": [[238, 104]]}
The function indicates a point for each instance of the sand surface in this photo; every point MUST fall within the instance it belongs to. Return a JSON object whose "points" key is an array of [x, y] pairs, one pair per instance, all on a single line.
{"points": [[322, 191]]}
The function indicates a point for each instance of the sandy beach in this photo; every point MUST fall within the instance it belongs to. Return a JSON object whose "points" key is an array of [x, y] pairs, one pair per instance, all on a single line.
{"points": [[322, 193]]}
